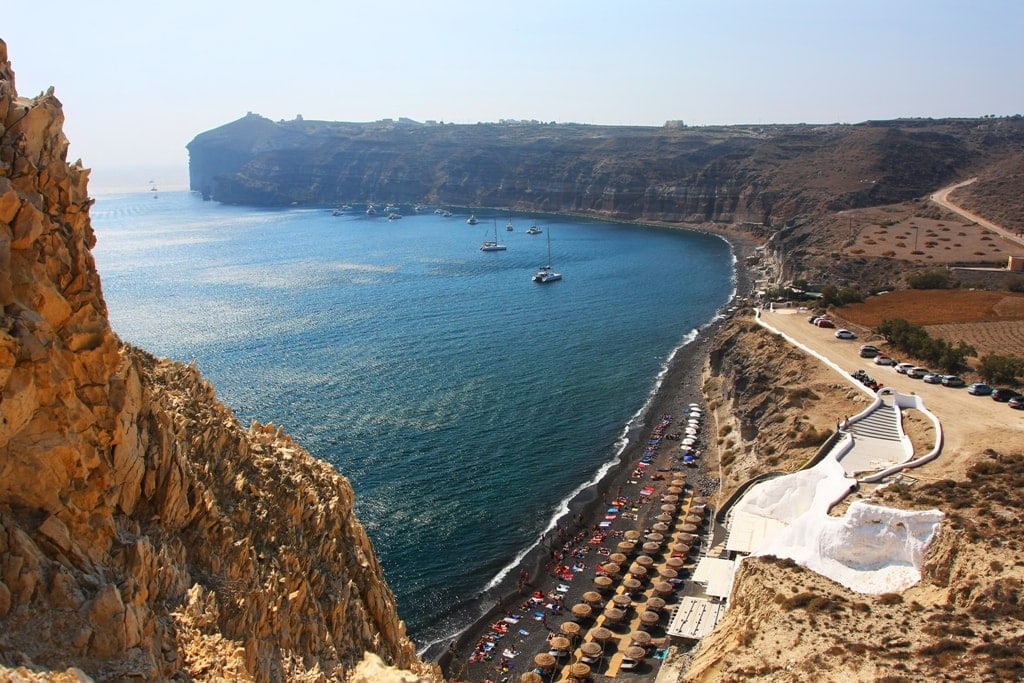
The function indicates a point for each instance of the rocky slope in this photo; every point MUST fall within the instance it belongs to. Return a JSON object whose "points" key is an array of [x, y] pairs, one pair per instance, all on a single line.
{"points": [[144, 533]]}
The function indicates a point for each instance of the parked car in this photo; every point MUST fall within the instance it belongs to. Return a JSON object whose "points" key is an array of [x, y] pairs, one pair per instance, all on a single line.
{"points": [[933, 378], [883, 360], [953, 381], [825, 322], [845, 334], [1016, 402], [979, 389], [903, 368], [813, 319], [1003, 395], [868, 351], [918, 372]]}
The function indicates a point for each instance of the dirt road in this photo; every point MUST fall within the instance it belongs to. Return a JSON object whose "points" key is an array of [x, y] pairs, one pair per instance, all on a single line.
{"points": [[942, 199], [969, 423]]}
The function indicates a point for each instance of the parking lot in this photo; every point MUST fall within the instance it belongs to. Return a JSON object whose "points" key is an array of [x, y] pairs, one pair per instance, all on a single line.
{"points": [[968, 422]]}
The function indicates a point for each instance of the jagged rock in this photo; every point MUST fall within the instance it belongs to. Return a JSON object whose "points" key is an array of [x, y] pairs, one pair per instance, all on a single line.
{"points": [[144, 533]]}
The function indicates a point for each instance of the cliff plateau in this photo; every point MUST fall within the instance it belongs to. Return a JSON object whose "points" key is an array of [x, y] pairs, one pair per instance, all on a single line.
{"points": [[144, 533]]}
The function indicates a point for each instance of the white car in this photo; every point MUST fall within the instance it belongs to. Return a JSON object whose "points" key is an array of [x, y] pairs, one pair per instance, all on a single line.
{"points": [[845, 334], [903, 368], [885, 360]]}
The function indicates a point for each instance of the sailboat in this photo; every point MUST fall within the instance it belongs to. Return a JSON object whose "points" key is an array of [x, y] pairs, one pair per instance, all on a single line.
{"points": [[545, 274], [490, 245]]}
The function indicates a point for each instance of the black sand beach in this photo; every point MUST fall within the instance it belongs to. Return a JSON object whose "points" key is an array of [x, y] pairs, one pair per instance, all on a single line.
{"points": [[535, 601]]}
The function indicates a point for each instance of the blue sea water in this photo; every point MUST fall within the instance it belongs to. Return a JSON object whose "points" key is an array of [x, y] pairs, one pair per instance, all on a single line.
{"points": [[465, 403]]}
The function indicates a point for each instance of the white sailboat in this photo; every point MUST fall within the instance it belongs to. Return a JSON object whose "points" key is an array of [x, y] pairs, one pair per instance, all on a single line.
{"points": [[492, 245], [545, 274]]}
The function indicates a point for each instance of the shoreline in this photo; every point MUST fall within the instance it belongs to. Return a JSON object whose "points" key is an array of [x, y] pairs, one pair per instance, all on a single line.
{"points": [[680, 386]]}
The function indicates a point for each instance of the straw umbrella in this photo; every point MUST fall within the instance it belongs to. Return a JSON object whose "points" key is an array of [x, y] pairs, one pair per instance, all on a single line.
{"points": [[632, 585], [591, 648], [663, 588], [640, 638], [601, 634], [560, 643], [693, 518], [635, 652], [626, 547], [660, 527], [670, 498], [570, 628], [592, 598], [644, 560], [649, 618], [682, 548], [686, 538], [655, 536], [603, 582], [614, 615], [632, 535], [674, 489], [688, 528], [618, 558], [579, 671], [582, 610], [655, 604], [611, 568], [668, 573], [699, 500], [676, 562], [651, 547], [544, 660], [531, 677], [664, 518], [638, 571], [669, 507], [622, 601]]}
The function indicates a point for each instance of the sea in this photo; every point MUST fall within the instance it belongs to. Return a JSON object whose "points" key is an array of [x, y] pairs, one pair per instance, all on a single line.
{"points": [[466, 403]]}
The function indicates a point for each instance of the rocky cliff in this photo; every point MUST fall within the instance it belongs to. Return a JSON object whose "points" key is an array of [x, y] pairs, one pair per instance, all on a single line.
{"points": [[144, 533], [767, 175]]}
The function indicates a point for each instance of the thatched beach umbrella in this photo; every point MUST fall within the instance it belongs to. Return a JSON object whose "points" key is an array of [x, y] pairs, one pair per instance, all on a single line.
{"points": [[635, 652], [560, 643], [682, 548], [670, 498], [686, 538], [632, 585], [656, 604], [679, 479], [640, 638], [601, 634], [591, 648], [651, 547], [582, 610], [664, 518], [674, 489], [649, 618], [655, 536], [579, 671], [663, 588], [668, 573], [688, 528], [611, 568], [632, 535], [693, 518], [544, 660], [603, 582], [699, 500], [622, 601], [614, 615], [592, 598], [626, 547], [618, 558], [638, 571], [570, 628], [676, 562], [531, 677], [644, 560], [669, 507], [660, 527]]}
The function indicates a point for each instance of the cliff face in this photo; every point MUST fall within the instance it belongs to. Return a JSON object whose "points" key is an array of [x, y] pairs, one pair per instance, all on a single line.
{"points": [[144, 533], [766, 175]]}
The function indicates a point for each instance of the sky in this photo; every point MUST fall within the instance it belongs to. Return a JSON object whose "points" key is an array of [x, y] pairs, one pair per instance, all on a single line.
{"points": [[139, 80]]}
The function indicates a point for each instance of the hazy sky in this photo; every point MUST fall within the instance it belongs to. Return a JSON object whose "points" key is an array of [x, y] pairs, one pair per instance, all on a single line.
{"points": [[138, 80]]}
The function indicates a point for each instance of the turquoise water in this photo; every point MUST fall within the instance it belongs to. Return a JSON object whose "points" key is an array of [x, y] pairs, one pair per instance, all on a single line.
{"points": [[466, 403]]}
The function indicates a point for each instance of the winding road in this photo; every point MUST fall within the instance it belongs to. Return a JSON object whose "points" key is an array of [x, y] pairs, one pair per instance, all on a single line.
{"points": [[942, 199]]}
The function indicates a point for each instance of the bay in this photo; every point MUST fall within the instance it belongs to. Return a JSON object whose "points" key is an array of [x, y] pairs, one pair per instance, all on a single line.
{"points": [[465, 403]]}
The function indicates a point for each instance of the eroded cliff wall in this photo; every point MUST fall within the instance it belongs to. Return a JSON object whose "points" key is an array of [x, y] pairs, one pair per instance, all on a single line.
{"points": [[144, 533]]}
